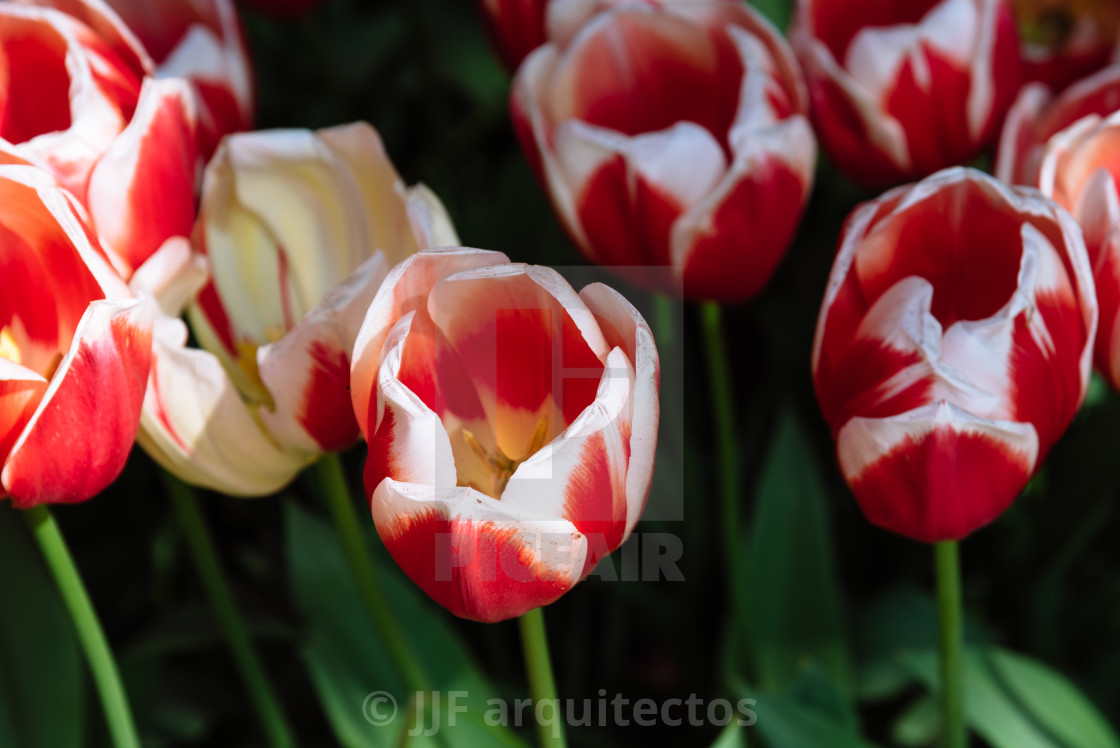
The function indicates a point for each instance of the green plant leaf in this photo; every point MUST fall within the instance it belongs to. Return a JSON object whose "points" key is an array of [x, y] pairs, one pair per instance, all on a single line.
{"points": [[1015, 702], [791, 611], [347, 664], [785, 721], [42, 675]]}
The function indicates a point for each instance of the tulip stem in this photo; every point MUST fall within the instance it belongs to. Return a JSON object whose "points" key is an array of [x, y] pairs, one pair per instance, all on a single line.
{"points": [[213, 579], [118, 715], [951, 641], [333, 481], [723, 411], [542, 685]]}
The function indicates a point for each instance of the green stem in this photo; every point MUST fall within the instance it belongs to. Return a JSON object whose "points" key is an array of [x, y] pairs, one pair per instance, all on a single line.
{"points": [[209, 569], [96, 648], [723, 412], [951, 641], [542, 686], [333, 483]]}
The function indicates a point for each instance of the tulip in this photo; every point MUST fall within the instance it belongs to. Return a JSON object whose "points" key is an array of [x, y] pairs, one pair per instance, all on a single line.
{"points": [[1068, 149], [201, 42], [1064, 41], [80, 104], [516, 27], [672, 135], [900, 90], [511, 425], [953, 348], [296, 230], [74, 348]]}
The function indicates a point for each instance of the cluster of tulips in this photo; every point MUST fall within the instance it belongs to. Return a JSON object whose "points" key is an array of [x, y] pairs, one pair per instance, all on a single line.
{"points": [[245, 303]]}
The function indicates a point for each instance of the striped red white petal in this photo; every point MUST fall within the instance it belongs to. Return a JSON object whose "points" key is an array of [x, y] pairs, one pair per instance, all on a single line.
{"points": [[901, 90], [637, 181], [511, 424], [960, 313]]}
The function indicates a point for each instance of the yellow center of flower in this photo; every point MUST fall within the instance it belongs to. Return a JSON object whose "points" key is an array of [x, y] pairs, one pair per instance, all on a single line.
{"points": [[1050, 23], [500, 466], [8, 347]]}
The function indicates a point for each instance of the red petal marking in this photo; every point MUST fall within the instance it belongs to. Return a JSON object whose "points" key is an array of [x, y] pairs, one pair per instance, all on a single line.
{"points": [[161, 27], [941, 487], [433, 371], [595, 499], [211, 305], [34, 82], [1098, 95], [962, 239], [18, 401], [836, 22], [518, 343], [474, 569], [220, 115], [150, 191], [934, 114], [643, 72], [46, 286], [81, 438], [381, 461], [852, 388], [750, 232], [516, 27], [326, 412], [841, 129], [1046, 384], [626, 219]]}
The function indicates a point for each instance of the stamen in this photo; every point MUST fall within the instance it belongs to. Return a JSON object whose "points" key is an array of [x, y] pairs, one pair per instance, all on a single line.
{"points": [[500, 465]]}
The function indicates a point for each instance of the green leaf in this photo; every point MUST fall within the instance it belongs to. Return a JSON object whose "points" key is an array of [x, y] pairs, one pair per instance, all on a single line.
{"points": [[784, 721], [1052, 700], [779, 12], [348, 665], [42, 676], [919, 723], [791, 611], [1015, 702]]}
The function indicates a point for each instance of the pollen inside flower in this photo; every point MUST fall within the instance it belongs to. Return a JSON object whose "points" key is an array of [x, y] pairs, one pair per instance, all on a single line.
{"points": [[500, 465]]}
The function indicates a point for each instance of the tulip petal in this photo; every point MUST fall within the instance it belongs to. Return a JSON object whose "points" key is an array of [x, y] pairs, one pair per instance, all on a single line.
{"points": [[404, 290], [196, 425], [21, 389], [624, 328], [307, 372], [80, 436], [474, 555], [141, 192], [936, 473], [581, 475]]}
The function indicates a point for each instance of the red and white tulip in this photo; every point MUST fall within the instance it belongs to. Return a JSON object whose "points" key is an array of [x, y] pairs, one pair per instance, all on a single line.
{"points": [[953, 348], [201, 42], [1070, 149], [516, 27], [296, 231], [511, 424], [74, 348], [81, 104], [902, 89], [670, 135]]}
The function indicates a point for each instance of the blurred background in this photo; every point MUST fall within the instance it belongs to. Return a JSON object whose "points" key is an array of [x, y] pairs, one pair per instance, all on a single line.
{"points": [[832, 633]]}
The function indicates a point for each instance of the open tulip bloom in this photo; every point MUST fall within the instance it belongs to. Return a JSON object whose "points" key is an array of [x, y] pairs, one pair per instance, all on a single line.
{"points": [[74, 347], [953, 348], [296, 231], [1067, 148], [902, 89], [670, 134], [511, 424]]}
